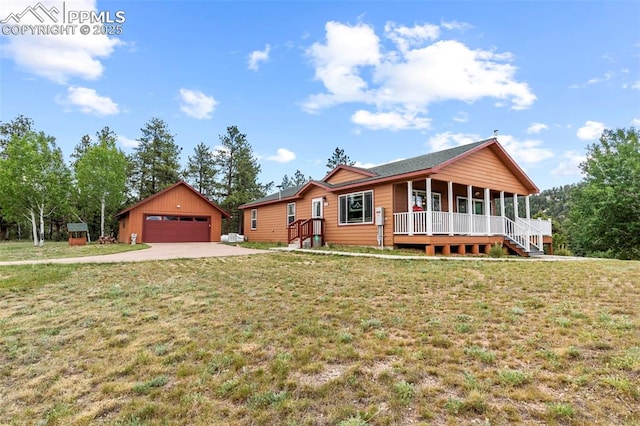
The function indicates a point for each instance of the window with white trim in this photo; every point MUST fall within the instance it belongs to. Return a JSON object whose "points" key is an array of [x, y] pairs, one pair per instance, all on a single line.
{"points": [[254, 219], [477, 205], [355, 208], [420, 199], [291, 213]]}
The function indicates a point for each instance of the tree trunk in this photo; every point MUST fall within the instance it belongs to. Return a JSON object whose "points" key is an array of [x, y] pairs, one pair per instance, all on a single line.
{"points": [[102, 208], [34, 227], [41, 226]]}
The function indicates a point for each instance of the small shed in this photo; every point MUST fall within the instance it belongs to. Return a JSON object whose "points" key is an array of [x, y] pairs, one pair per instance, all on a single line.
{"points": [[77, 234]]}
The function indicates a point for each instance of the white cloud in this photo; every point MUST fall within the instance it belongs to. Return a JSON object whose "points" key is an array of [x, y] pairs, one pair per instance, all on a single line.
{"points": [[126, 142], [89, 101], [336, 64], [364, 165], [447, 140], [455, 25], [405, 77], [258, 56], [591, 130], [636, 85], [595, 80], [537, 128], [390, 120], [528, 151], [523, 152], [635, 122], [569, 165], [282, 156], [196, 104], [405, 37], [57, 57], [461, 117]]}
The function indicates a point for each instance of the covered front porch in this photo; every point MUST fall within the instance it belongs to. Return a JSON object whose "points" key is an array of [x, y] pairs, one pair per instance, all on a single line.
{"points": [[465, 217]]}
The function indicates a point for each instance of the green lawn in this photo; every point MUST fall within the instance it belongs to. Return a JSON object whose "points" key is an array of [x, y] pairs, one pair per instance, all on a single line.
{"points": [[55, 250], [302, 339]]}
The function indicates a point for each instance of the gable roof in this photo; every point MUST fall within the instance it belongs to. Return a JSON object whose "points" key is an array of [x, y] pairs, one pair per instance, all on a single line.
{"points": [[401, 169], [359, 170], [287, 194], [422, 162], [169, 188], [77, 227]]}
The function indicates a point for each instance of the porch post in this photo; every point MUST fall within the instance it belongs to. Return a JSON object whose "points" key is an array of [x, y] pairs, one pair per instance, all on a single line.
{"points": [[450, 204], [502, 209], [429, 209], [527, 207], [487, 209], [410, 205], [515, 207], [469, 206]]}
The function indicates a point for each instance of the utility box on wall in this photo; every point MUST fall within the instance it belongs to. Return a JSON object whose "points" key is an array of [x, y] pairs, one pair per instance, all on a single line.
{"points": [[379, 216]]}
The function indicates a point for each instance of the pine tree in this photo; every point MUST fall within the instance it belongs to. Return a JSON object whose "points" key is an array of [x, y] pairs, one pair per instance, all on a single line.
{"points": [[238, 172], [338, 157], [201, 170], [156, 160]]}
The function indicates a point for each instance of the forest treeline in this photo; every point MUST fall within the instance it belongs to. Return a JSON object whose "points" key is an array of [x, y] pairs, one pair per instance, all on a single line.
{"points": [[40, 192]]}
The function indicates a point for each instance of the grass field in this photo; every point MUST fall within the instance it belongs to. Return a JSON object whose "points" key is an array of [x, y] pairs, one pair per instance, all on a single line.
{"points": [[10, 251], [300, 339]]}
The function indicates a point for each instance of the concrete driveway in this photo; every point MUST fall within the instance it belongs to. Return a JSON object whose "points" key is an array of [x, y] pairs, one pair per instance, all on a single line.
{"points": [[157, 251]]}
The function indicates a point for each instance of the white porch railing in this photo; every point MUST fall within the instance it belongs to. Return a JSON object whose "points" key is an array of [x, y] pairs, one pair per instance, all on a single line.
{"points": [[526, 233], [539, 226]]}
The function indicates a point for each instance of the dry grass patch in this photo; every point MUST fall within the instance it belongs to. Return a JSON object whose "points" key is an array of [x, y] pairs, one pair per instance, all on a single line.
{"points": [[289, 338], [11, 251]]}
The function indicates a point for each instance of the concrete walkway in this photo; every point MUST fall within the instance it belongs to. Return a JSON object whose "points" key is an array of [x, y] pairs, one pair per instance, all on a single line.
{"points": [[157, 251]]}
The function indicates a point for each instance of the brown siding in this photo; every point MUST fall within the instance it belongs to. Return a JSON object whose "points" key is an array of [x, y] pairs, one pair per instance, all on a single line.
{"points": [[272, 219], [482, 169], [365, 234], [342, 176], [166, 204], [271, 225]]}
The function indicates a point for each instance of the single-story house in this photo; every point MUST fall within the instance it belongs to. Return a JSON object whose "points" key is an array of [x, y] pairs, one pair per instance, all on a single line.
{"points": [[388, 205], [178, 213]]}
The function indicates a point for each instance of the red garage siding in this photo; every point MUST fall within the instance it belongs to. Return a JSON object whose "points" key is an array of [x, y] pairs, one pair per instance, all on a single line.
{"points": [[198, 218], [176, 229]]}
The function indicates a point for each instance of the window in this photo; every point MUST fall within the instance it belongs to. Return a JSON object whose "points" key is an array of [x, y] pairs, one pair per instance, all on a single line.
{"points": [[356, 208], [291, 213], [420, 199], [477, 205], [254, 219]]}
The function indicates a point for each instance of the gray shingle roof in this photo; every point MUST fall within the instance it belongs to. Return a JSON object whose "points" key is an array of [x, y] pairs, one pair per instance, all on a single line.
{"points": [[421, 162], [288, 192]]}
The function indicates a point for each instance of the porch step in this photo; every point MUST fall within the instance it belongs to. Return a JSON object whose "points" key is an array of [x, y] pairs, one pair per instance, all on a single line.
{"points": [[296, 243], [519, 250]]}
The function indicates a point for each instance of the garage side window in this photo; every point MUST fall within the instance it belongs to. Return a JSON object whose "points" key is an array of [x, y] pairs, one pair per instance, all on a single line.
{"points": [[254, 219]]}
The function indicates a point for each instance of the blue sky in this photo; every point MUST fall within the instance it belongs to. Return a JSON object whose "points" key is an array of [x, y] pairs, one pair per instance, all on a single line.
{"points": [[382, 80]]}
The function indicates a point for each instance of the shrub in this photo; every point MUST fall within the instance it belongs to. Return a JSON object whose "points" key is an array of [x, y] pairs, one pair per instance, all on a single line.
{"points": [[497, 250], [562, 250]]}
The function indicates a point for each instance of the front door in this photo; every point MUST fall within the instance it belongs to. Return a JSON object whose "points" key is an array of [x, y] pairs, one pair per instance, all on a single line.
{"points": [[317, 205]]}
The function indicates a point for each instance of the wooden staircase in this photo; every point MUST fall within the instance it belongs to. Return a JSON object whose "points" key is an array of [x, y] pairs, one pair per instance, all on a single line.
{"points": [[303, 231]]}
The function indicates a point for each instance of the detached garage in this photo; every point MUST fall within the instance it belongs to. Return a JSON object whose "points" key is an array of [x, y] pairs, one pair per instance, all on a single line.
{"points": [[177, 214]]}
